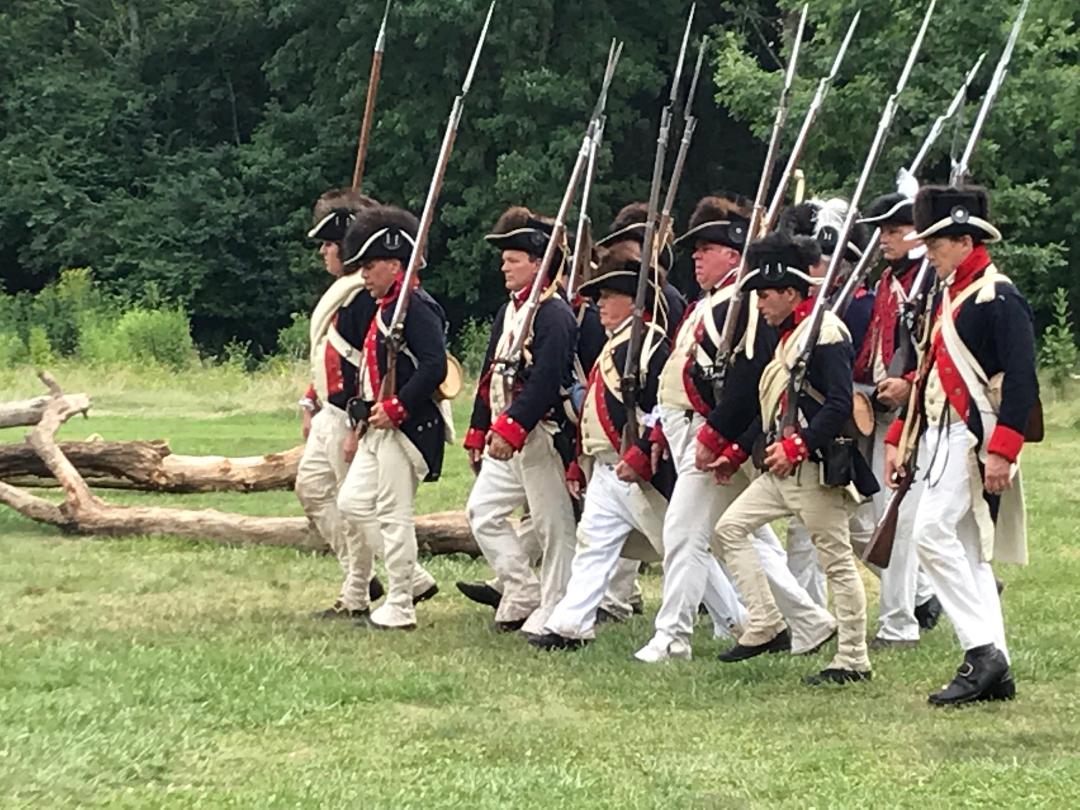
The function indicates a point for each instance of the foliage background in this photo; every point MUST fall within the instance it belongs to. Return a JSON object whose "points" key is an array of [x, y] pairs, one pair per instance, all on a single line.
{"points": [[176, 147]]}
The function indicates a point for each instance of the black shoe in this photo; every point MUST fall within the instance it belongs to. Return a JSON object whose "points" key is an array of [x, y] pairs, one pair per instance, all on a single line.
{"points": [[781, 642], [510, 627], [375, 590], [339, 611], [637, 606], [1000, 585], [1004, 689], [423, 597], [837, 676], [553, 641], [928, 613], [481, 592], [983, 668], [607, 617]]}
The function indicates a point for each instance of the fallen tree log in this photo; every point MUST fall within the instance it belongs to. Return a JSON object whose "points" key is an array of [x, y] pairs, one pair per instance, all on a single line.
{"points": [[152, 466], [82, 512], [22, 412]]}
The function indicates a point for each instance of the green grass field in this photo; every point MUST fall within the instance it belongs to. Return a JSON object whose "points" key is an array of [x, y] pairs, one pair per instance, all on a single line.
{"points": [[151, 672]]}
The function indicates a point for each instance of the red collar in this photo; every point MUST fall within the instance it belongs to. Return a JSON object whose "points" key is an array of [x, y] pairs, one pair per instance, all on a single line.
{"points": [[798, 315], [521, 296], [965, 272], [395, 288]]}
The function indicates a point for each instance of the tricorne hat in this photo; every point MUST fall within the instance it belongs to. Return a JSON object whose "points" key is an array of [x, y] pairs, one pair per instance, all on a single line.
{"points": [[779, 261], [952, 211], [334, 212], [889, 209], [721, 218], [621, 275], [629, 226], [518, 228]]}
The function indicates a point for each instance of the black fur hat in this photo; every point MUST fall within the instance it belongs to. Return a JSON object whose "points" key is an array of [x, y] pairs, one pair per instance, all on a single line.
{"points": [[723, 218], [781, 260], [629, 226], [951, 211], [518, 228], [334, 211], [380, 232]]}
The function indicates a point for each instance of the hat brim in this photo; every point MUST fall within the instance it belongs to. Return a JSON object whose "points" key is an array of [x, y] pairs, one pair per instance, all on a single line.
{"points": [[624, 282], [893, 215], [530, 240], [327, 229], [636, 232], [947, 226], [377, 247], [719, 232], [792, 277]]}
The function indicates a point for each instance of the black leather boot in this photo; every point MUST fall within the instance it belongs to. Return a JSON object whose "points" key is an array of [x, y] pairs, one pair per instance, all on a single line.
{"points": [[781, 642], [481, 593], [928, 613], [982, 670]]}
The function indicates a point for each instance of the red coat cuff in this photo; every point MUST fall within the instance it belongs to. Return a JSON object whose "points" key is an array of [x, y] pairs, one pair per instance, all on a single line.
{"points": [[1006, 442], [395, 410], [639, 461], [711, 438], [795, 448], [311, 393], [475, 439], [910, 376], [511, 430], [656, 435], [736, 455], [895, 429], [575, 473]]}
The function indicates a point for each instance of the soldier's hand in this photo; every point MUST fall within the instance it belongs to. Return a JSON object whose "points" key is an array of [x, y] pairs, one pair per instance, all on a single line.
{"points": [[996, 478], [891, 470], [776, 459], [379, 418], [352, 441], [703, 457], [625, 473], [476, 458], [305, 424], [657, 454], [573, 486], [499, 448], [893, 392], [722, 469]]}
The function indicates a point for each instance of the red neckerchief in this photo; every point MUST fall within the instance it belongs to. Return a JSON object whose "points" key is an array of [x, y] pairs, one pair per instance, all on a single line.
{"points": [[371, 340], [797, 316], [966, 272]]}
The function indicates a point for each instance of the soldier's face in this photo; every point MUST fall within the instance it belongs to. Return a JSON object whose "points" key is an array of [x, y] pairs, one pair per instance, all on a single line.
{"points": [[615, 307], [519, 269], [331, 256], [712, 262], [776, 305], [946, 252], [893, 245], [379, 275]]}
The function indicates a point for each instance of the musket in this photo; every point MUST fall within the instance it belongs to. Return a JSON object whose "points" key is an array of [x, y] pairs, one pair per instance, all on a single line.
{"points": [[663, 232], [869, 257], [395, 339], [629, 383], [725, 350], [509, 367], [369, 104], [808, 122], [960, 169], [789, 420], [583, 235]]}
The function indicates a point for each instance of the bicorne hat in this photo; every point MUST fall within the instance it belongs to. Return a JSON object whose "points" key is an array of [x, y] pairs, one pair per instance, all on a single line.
{"points": [[889, 209], [622, 276], [520, 229], [951, 211], [779, 261], [629, 226], [720, 218], [381, 232]]}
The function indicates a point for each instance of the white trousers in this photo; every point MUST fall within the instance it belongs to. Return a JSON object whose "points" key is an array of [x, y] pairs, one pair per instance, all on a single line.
{"points": [[691, 572], [378, 494], [612, 510], [319, 476], [534, 476], [948, 540]]}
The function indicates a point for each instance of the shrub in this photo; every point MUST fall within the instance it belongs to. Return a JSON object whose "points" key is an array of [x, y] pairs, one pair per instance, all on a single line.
{"points": [[292, 340], [162, 335], [12, 350], [1058, 355], [39, 348], [470, 346], [237, 356]]}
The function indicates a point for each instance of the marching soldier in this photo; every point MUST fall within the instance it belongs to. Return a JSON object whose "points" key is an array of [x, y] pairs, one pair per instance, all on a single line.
{"points": [[398, 430], [974, 397], [515, 438], [884, 369], [687, 399], [337, 325], [620, 496], [808, 473]]}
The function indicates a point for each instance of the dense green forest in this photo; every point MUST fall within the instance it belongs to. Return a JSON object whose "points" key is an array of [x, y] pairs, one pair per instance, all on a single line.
{"points": [[175, 147]]}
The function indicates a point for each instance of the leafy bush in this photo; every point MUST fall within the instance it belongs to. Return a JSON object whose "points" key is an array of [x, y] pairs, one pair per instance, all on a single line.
{"points": [[1058, 355], [162, 335], [470, 346], [237, 356], [292, 340], [41, 352], [12, 350]]}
